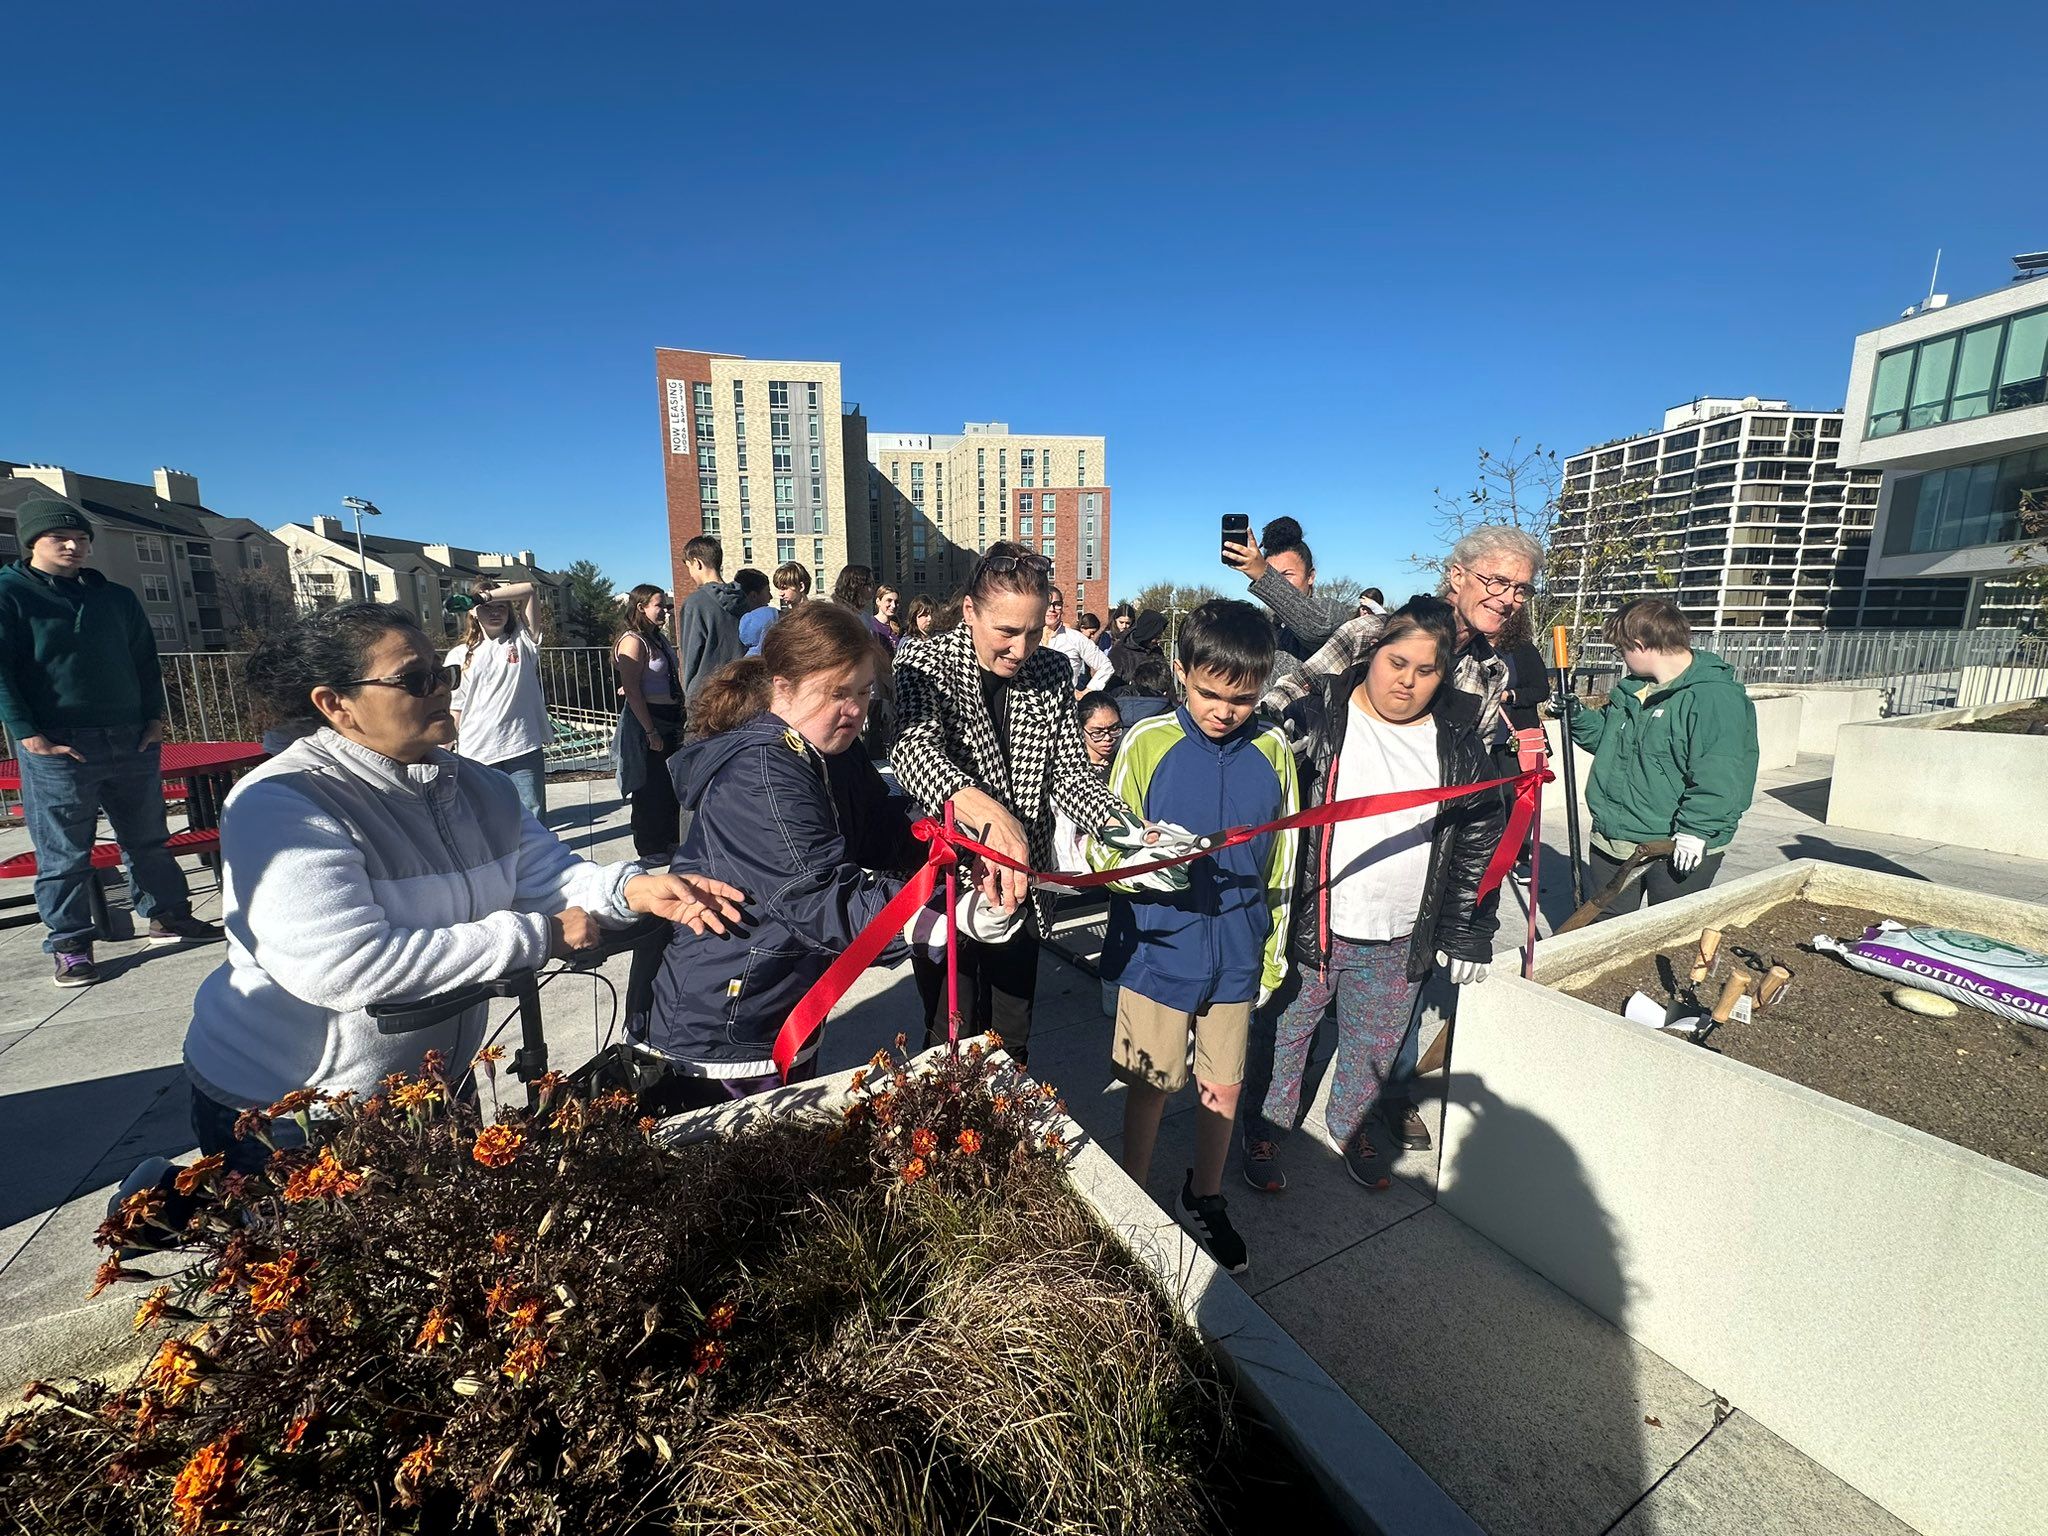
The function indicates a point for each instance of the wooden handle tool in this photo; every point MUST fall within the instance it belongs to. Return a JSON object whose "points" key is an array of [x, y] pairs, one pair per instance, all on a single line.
{"points": [[1730, 995], [1775, 981], [1703, 958]]}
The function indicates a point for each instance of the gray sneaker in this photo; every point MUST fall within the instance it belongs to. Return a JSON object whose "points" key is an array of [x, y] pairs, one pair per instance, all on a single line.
{"points": [[1262, 1168], [1363, 1162], [75, 968], [182, 929]]}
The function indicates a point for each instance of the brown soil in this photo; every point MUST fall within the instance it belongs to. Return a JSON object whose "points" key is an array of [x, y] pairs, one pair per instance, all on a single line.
{"points": [[1977, 1080], [2031, 721]]}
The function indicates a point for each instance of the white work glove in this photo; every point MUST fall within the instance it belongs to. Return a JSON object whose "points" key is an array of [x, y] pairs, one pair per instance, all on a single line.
{"points": [[1687, 851], [1265, 997], [979, 918], [1135, 841], [1464, 973]]}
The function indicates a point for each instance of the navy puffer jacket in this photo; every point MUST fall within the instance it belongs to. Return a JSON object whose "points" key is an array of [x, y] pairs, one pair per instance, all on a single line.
{"points": [[803, 835]]}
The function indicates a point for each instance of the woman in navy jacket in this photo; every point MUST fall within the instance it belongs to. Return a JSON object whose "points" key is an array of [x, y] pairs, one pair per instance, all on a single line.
{"points": [[788, 806]]}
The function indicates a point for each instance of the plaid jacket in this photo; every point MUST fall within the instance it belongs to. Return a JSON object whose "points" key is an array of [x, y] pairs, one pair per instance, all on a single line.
{"points": [[946, 743], [1477, 671]]}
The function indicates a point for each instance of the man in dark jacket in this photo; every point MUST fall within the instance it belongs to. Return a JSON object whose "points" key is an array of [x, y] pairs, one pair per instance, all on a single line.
{"points": [[708, 629], [1143, 642], [82, 698]]}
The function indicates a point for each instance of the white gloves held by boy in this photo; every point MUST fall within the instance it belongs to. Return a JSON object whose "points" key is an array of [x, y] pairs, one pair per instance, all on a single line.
{"points": [[1687, 851], [1136, 841], [1464, 973]]}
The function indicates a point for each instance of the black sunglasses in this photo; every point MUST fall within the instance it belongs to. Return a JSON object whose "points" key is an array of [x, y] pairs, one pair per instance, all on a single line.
{"points": [[420, 682], [1002, 565]]}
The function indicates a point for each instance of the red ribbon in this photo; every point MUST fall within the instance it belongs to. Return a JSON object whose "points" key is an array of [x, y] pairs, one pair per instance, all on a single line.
{"points": [[947, 845]]}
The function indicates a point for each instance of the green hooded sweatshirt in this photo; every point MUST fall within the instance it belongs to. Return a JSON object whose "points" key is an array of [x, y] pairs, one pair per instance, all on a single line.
{"points": [[1681, 758], [74, 651]]}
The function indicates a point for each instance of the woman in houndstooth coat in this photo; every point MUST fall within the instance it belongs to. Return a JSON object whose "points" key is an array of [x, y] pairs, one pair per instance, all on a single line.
{"points": [[987, 723]]}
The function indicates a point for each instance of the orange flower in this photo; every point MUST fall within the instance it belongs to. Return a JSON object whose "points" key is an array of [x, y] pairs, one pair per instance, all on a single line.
{"points": [[524, 1318], [617, 1099], [913, 1170], [720, 1318], [549, 1084], [276, 1284], [322, 1179], [860, 1076], [496, 1147], [140, 1208], [415, 1095], [416, 1465], [296, 1102], [174, 1372], [503, 1296], [879, 1061], [433, 1331], [924, 1141], [569, 1118], [207, 1482], [489, 1056], [527, 1361], [253, 1123], [153, 1308], [970, 1141], [855, 1110], [647, 1123], [708, 1356], [373, 1106], [884, 1107], [1001, 1103], [189, 1178], [902, 1040], [504, 1242], [991, 1039], [147, 1412], [1053, 1142], [295, 1432]]}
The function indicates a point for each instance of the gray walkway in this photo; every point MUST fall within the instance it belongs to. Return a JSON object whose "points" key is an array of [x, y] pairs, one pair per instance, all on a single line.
{"points": [[1534, 1413]]}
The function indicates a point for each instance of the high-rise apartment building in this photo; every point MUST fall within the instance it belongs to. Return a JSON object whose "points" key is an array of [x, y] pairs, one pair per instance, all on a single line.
{"points": [[937, 499], [768, 458], [1741, 511], [1951, 405]]}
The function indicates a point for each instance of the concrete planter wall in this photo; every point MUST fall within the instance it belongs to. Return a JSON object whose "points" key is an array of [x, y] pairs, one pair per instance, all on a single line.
{"points": [[1778, 716], [1912, 777], [1825, 708], [1366, 1477], [1873, 1294]]}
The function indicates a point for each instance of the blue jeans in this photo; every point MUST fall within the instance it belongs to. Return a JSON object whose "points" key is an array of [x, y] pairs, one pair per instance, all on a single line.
{"points": [[529, 775], [62, 799]]}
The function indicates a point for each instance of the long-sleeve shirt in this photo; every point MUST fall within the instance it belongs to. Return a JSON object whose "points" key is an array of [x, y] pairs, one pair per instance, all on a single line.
{"points": [[74, 651], [1311, 619], [1091, 666]]}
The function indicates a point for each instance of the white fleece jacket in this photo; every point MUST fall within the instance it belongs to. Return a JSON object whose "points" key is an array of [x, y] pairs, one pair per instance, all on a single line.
{"points": [[351, 879]]}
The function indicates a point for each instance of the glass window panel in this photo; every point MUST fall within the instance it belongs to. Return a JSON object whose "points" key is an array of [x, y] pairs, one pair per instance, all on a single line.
{"points": [[1930, 382], [1979, 515], [1973, 373], [2026, 359], [1888, 393], [1898, 532]]}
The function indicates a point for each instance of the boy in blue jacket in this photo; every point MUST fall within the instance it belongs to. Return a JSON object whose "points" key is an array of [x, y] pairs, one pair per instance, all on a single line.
{"points": [[1194, 948]]}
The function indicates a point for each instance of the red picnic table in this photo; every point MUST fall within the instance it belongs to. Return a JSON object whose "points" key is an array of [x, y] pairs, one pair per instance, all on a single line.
{"points": [[205, 769]]}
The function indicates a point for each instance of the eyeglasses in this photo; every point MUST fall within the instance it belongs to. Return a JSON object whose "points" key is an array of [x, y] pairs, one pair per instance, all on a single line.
{"points": [[1002, 565], [1500, 586], [420, 682], [1103, 732]]}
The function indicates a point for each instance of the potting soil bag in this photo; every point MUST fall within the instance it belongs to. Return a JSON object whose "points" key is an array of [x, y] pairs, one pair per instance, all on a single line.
{"points": [[2003, 978]]}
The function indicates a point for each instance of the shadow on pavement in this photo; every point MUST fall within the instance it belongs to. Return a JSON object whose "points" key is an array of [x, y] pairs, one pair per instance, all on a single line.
{"points": [[52, 1138], [1806, 846]]}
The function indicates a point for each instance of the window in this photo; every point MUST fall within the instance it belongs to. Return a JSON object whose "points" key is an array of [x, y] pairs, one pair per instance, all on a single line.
{"points": [[149, 549], [701, 395], [785, 521], [814, 429], [811, 395], [1081, 473], [1027, 466], [818, 553], [164, 627], [818, 518], [1024, 527], [778, 426], [747, 553], [743, 458], [1961, 507], [1024, 503], [704, 427], [778, 395], [818, 490], [817, 459], [707, 487], [785, 551], [707, 459], [785, 460], [156, 589], [739, 395], [1048, 502], [1998, 366], [785, 490]]}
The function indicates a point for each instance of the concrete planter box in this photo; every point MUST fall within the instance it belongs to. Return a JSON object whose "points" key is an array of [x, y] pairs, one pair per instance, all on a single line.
{"points": [[1824, 708], [1911, 777], [1366, 1477], [1873, 1294], [1779, 712]]}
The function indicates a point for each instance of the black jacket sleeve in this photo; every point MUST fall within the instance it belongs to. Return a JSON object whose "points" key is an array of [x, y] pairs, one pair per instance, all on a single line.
{"points": [[1466, 925]]}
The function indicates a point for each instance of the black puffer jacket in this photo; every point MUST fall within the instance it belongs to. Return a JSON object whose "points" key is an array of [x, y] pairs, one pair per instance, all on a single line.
{"points": [[1468, 831]]}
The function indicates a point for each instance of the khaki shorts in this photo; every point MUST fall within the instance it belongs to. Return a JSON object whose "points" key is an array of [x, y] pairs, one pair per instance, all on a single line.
{"points": [[1152, 1042]]}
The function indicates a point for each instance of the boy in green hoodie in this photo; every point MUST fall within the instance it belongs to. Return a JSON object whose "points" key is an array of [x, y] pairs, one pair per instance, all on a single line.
{"points": [[1674, 756], [82, 697]]}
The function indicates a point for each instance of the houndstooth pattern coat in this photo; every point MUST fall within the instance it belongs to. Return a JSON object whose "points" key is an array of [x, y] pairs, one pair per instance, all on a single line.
{"points": [[947, 744]]}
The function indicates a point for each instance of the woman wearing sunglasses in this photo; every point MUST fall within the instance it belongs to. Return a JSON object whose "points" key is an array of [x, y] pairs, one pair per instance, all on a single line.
{"points": [[367, 864]]}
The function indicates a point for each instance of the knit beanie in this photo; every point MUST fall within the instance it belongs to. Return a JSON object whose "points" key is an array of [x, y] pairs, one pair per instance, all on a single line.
{"points": [[46, 514]]}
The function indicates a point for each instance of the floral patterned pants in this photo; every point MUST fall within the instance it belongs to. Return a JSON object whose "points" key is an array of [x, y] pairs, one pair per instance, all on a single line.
{"points": [[1374, 999]]}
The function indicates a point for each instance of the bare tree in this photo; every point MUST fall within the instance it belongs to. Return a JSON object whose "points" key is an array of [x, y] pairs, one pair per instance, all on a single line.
{"points": [[255, 602]]}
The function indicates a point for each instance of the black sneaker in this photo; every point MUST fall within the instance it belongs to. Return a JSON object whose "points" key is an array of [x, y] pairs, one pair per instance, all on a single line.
{"points": [[1405, 1121], [1262, 1168], [1209, 1218], [75, 968], [182, 929], [1363, 1162]]}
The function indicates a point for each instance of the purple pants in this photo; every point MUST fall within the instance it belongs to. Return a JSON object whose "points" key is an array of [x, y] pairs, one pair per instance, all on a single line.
{"points": [[1374, 997]]}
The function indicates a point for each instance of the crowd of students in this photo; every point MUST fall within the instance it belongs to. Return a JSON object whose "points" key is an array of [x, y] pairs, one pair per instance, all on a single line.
{"points": [[366, 861]]}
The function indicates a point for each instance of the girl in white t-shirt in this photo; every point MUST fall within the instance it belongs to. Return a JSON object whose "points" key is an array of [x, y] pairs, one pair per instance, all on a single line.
{"points": [[1380, 898], [500, 717]]}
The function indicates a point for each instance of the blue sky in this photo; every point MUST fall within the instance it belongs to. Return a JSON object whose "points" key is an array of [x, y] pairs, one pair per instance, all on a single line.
{"points": [[1296, 259]]}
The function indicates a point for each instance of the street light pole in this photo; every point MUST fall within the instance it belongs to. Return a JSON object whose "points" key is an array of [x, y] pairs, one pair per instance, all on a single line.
{"points": [[357, 505]]}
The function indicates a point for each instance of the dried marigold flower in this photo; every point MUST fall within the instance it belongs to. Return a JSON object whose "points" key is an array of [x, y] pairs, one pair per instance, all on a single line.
{"points": [[497, 1146], [173, 1372], [153, 1308], [524, 1318], [647, 1125], [860, 1076], [924, 1141], [413, 1468], [373, 1106], [548, 1084], [147, 1413], [527, 1361], [141, 1208], [322, 1179], [1000, 1103], [721, 1317], [252, 1122], [569, 1118], [276, 1284], [415, 1095], [206, 1483], [884, 1107], [913, 1170], [617, 1099], [295, 1432], [902, 1040], [504, 1242], [1053, 1142], [854, 1111], [109, 1271], [969, 1141], [434, 1064], [489, 1056], [879, 1061], [189, 1178], [708, 1356], [434, 1330], [992, 1040], [296, 1102]]}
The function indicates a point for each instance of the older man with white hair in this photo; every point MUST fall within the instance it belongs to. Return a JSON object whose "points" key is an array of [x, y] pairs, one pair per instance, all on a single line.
{"points": [[1489, 577]]}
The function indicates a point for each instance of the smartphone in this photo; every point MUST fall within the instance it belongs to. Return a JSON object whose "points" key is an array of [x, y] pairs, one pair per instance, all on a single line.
{"points": [[1237, 528]]}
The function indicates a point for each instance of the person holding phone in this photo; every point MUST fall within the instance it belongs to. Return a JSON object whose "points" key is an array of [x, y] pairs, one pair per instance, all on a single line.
{"points": [[1282, 572]]}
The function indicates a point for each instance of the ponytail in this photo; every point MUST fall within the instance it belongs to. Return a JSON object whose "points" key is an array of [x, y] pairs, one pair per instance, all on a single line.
{"points": [[730, 697]]}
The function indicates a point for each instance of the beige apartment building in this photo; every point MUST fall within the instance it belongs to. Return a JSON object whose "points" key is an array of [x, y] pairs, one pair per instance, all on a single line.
{"points": [[768, 458], [328, 567], [937, 499]]}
